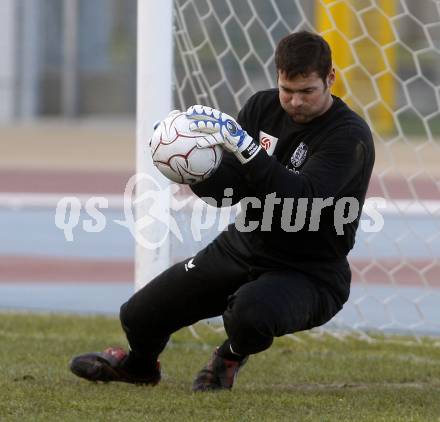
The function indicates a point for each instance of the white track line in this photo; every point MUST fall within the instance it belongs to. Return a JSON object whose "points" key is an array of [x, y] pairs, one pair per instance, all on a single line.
{"points": [[24, 200], [405, 207]]}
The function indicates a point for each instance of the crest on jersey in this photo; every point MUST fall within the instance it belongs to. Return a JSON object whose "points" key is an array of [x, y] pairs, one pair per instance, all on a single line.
{"points": [[268, 142], [299, 156]]}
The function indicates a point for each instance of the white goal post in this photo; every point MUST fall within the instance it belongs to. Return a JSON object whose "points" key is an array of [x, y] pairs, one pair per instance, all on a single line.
{"points": [[387, 59], [154, 102]]}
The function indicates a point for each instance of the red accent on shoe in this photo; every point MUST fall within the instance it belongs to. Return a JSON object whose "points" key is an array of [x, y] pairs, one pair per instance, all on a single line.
{"points": [[108, 366], [218, 374]]}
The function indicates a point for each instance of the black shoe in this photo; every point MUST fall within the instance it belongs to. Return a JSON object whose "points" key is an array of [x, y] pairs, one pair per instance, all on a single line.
{"points": [[218, 374], [108, 366]]}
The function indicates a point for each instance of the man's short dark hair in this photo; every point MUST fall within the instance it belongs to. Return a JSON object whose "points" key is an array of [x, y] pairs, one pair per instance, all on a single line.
{"points": [[303, 53]]}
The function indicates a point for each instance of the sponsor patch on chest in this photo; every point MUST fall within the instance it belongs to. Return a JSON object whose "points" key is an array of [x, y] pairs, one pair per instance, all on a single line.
{"points": [[299, 156], [268, 142]]}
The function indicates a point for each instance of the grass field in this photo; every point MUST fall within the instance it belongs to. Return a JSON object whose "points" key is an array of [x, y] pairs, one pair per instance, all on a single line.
{"points": [[323, 379]]}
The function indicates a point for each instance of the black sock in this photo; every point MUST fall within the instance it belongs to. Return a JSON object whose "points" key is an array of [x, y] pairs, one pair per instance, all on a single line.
{"points": [[139, 365], [225, 352]]}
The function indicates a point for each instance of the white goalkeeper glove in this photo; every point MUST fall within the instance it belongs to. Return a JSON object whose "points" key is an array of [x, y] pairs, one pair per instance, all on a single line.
{"points": [[225, 130]]}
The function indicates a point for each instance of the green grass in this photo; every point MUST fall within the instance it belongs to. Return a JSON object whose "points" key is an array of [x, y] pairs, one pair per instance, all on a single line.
{"points": [[313, 379]]}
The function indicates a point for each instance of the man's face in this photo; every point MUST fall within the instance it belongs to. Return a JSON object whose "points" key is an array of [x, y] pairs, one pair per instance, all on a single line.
{"points": [[305, 98]]}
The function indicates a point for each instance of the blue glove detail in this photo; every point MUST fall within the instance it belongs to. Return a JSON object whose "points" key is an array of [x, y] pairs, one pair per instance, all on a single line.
{"points": [[226, 130]]}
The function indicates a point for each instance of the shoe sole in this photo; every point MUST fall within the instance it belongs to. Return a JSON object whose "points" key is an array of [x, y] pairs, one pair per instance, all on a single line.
{"points": [[98, 369], [93, 370]]}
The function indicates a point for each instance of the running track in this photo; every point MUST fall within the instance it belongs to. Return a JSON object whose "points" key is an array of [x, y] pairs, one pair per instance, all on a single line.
{"points": [[24, 268]]}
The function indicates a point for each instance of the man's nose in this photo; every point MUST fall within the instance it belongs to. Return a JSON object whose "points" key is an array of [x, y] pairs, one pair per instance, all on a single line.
{"points": [[296, 100]]}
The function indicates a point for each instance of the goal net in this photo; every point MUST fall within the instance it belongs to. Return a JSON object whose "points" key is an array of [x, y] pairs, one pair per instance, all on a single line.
{"points": [[387, 59]]}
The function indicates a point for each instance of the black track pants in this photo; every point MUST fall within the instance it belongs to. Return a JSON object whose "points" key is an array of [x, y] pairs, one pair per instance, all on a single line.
{"points": [[258, 301]]}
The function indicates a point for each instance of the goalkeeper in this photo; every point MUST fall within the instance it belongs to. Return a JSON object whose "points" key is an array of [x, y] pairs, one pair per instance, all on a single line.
{"points": [[293, 143]]}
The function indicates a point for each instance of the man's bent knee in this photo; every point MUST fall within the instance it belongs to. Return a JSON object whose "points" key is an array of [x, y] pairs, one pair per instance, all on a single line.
{"points": [[250, 329]]}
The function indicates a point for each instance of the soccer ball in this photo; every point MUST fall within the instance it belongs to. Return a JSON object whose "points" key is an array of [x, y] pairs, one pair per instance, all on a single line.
{"points": [[175, 152]]}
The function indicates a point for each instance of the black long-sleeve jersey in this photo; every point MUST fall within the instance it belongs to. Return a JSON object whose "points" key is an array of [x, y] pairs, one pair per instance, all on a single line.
{"points": [[330, 157]]}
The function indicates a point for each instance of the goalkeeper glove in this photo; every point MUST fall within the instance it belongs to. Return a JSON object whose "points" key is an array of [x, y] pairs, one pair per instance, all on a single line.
{"points": [[225, 130]]}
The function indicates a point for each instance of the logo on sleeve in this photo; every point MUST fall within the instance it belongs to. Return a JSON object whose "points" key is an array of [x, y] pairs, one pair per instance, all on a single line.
{"points": [[190, 265], [299, 156], [268, 142]]}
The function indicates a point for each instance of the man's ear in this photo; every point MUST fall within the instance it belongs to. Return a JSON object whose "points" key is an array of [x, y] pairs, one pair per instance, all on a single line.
{"points": [[331, 78]]}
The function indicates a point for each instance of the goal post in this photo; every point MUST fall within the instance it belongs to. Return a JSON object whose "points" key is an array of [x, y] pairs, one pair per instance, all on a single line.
{"points": [[154, 101], [387, 53]]}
